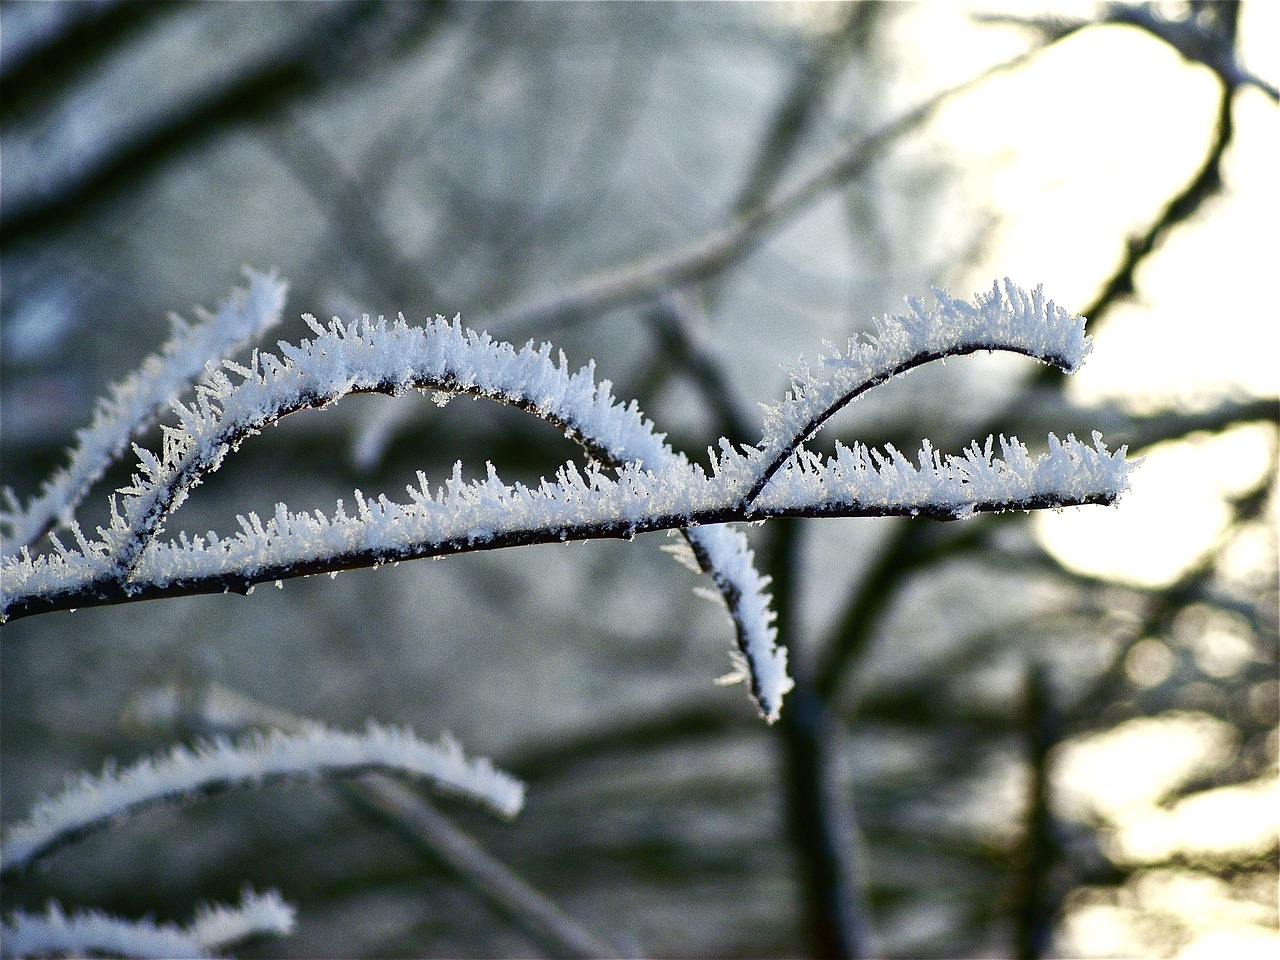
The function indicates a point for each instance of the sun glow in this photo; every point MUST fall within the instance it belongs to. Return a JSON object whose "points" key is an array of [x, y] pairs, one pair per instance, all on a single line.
{"points": [[1079, 150]]}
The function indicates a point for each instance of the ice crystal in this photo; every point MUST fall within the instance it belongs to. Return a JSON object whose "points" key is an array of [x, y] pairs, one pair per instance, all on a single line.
{"points": [[1006, 318], [132, 404]]}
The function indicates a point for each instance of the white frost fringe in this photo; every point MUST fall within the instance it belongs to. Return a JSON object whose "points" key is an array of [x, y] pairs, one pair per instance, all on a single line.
{"points": [[317, 751], [133, 403], [214, 927], [363, 356], [1005, 318], [647, 479]]}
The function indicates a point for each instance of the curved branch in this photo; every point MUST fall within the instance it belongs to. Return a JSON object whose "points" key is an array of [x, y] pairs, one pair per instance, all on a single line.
{"points": [[220, 711], [489, 515], [91, 933], [135, 402], [1007, 318], [652, 487], [94, 802], [369, 357]]}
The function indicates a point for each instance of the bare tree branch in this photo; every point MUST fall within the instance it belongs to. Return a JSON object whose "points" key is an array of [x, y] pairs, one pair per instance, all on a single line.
{"points": [[292, 75], [713, 254], [218, 711]]}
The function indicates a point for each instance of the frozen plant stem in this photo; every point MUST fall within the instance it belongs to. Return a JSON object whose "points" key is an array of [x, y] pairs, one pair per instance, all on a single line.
{"points": [[635, 483], [94, 802], [217, 711], [134, 404], [93, 934]]}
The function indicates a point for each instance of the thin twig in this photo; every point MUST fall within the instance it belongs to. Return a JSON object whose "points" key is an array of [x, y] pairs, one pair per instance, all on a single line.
{"points": [[819, 818], [219, 711], [109, 589], [712, 254]]}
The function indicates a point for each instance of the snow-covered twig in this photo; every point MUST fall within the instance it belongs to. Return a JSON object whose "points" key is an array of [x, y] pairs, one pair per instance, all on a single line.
{"points": [[392, 358], [218, 710], [1007, 318], [218, 926], [488, 514], [92, 802], [92, 933], [635, 483], [134, 403]]}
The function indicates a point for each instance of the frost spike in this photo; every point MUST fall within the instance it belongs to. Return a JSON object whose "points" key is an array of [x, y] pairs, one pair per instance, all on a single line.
{"points": [[1006, 318], [134, 402], [656, 488]]}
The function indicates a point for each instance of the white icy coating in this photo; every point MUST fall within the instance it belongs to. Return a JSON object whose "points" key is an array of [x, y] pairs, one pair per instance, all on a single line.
{"points": [[651, 486], [132, 404], [93, 933], [461, 515], [217, 925], [90, 802], [759, 660], [1005, 318], [951, 487], [391, 358]]}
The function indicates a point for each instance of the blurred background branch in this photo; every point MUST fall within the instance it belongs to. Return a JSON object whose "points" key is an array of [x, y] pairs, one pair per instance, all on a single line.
{"points": [[179, 713]]}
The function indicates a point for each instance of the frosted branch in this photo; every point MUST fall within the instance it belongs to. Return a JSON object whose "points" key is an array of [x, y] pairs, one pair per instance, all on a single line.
{"points": [[92, 933], [369, 357], [1007, 318], [92, 802], [162, 710], [218, 926], [635, 482], [390, 358], [133, 404], [487, 514]]}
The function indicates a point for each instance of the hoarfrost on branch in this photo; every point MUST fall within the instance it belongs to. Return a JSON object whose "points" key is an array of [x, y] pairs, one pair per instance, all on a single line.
{"points": [[92, 933], [633, 483], [92, 802]]}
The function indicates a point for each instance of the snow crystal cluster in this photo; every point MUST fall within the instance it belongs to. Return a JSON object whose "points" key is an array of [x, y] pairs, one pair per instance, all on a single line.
{"points": [[947, 488], [390, 358], [1006, 318], [135, 402], [634, 482], [93, 933]]}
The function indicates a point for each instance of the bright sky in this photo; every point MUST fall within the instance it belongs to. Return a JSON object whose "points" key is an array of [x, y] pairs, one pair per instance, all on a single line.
{"points": [[1116, 109], [1083, 147]]}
